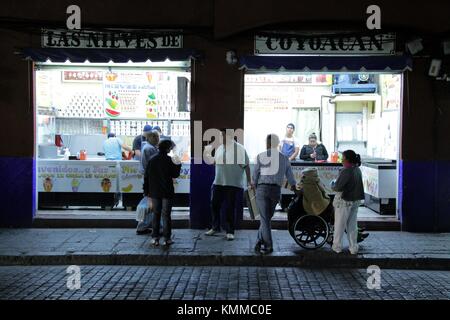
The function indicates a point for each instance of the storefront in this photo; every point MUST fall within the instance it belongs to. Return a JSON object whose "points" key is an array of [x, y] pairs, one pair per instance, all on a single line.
{"points": [[348, 100], [218, 28], [81, 95]]}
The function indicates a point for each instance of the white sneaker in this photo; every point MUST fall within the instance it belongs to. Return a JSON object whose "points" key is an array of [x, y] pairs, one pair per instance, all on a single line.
{"points": [[210, 232], [230, 236], [337, 250]]}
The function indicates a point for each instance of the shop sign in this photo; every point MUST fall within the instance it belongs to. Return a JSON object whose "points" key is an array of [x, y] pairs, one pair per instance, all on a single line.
{"points": [[109, 40], [77, 176], [131, 181], [376, 44]]}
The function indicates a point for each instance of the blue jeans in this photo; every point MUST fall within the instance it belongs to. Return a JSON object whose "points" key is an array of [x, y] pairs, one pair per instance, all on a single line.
{"points": [[267, 197], [162, 207]]}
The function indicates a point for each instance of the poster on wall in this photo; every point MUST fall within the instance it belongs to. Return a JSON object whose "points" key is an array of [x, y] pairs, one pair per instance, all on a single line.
{"points": [[130, 94], [391, 89], [82, 176]]}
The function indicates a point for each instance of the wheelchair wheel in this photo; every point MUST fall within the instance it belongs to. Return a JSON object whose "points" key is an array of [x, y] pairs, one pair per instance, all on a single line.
{"points": [[311, 232]]}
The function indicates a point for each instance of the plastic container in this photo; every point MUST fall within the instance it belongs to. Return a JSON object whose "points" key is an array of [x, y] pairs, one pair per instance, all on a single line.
{"points": [[83, 155]]}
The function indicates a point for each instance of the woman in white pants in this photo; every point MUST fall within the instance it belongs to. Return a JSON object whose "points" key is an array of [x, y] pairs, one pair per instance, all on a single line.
{"points": [[350, 192]]}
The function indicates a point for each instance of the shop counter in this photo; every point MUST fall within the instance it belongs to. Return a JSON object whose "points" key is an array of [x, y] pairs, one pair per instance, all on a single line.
{"points": [[131, 184], [327, 171], [77, 183], [98, 182]]}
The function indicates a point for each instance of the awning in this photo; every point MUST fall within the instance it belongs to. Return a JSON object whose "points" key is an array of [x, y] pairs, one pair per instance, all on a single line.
{"points": [[327, 63], [107, 55]]}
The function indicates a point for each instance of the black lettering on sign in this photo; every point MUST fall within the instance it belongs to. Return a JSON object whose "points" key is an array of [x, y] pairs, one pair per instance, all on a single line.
{"points": [[300, 43], [342, 44], [63, 42], [50, 42], [377, 42], [269, 44], [92, 40], [314, 43], [126, 39], [329, 42], [151, 43], [75, 39], [285, 43]]}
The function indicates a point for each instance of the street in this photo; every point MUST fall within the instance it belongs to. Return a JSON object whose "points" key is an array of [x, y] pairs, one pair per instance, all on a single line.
{"points": [[222, 283]]}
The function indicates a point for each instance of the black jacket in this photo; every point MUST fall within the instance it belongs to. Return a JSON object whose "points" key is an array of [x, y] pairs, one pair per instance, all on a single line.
{"points": [[158, 177], [307, 150]]}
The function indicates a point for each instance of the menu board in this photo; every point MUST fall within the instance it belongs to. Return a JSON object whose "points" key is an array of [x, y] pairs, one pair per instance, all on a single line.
{"points": [[277, 93], [77, 176], [130, 94]]}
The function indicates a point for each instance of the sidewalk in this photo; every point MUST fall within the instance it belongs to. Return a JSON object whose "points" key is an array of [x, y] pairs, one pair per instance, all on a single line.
{"points": [[396, 250]]}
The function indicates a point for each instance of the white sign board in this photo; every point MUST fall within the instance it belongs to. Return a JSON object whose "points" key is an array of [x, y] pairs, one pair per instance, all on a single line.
{"points": [[378, 44]]}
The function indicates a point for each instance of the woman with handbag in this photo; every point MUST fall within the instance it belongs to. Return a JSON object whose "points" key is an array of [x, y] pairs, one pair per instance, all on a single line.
{"points": [[350, 192]]}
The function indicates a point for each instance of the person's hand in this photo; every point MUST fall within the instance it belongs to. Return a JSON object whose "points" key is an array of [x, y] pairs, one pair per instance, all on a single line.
{"points": [[313, 155], [149, 203], [176, 159], [252, 186]]}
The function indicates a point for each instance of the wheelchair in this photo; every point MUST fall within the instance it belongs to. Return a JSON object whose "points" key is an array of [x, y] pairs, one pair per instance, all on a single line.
{"points": [[310, 231]]}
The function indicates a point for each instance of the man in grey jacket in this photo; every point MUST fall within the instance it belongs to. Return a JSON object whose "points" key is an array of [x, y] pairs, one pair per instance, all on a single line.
{"points": [[270, 170], [148, 151]]}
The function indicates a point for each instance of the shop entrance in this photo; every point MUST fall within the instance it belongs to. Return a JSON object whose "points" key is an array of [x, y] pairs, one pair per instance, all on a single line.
{"points": [[78, 105], [358, 111]]}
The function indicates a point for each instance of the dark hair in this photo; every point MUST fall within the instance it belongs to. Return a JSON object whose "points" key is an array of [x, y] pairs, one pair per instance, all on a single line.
{"points": [[111, 135], [352, 157], [291, 125], [272, 138], [166, 145]]}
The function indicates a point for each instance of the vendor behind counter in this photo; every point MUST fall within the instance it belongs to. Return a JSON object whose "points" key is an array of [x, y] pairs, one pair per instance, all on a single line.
{"points": [[314, 150], [289, 145], [113, 146]]}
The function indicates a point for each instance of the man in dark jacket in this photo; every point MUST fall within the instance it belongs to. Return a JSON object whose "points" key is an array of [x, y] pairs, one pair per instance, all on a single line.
{"points": [[158, 186]]}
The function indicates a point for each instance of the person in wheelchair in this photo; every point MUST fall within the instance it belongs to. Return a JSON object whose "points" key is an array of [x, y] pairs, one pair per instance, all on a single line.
{"points": [[311, 198]]}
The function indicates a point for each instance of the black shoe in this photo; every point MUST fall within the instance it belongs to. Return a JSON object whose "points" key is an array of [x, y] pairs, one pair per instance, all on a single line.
{"points": [[268, 250], [258, 247], [145, 231], [362, 236]]}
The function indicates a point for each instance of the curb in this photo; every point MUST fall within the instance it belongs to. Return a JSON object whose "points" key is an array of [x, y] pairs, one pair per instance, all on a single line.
{"points": [[164, 259]]}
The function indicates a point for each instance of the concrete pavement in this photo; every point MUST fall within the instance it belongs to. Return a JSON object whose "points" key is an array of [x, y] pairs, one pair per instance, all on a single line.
{"points": [[191, 248]]}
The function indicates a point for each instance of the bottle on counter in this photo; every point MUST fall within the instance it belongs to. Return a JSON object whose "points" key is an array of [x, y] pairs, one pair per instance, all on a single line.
{"points": [[66, 154]]}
